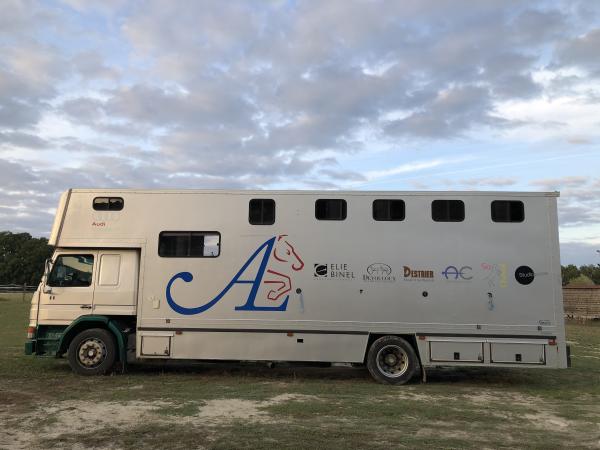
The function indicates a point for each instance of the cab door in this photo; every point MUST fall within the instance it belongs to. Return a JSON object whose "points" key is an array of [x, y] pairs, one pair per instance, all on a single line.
{"points": [[69, 289], [116, 282]]}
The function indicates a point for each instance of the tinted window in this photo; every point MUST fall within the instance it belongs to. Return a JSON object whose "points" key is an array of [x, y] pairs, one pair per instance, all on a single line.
{"points": [[508, 211], [71, 271], [388, 210], [261, 211], [330, 209], [108, 203], [448, 210], [189, 244]]}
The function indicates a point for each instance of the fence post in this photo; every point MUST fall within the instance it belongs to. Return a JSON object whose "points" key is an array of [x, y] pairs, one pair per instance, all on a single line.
{"points": [[24, 290]]}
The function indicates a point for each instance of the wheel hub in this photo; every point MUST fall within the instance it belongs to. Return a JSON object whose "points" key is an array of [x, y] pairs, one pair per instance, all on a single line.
{"points": [[392, 361], [91, 353]]}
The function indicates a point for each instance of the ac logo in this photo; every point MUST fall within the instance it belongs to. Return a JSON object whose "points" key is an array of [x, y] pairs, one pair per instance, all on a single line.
{"points": [[453, 273]]}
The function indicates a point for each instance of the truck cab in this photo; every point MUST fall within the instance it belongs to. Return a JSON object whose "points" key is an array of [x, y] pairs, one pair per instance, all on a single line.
{"points": [[85, 289]]}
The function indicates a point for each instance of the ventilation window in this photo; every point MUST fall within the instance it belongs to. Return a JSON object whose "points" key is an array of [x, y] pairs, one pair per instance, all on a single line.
{"points": [[388, 210], [330, 209], [261, 211], [448, 210], [108, 203], [189, 244], [508, 211]]}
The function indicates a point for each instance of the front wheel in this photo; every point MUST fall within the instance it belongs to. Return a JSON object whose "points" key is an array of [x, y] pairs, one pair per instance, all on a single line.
{"points": [[92, 352], [392, 360]]}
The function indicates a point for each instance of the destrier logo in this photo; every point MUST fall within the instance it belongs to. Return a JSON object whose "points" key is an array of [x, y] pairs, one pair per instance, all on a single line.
{"points": [[422, 275]]}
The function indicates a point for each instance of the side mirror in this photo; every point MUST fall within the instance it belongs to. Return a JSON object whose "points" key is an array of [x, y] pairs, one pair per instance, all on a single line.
{"points": [[47, 267]]}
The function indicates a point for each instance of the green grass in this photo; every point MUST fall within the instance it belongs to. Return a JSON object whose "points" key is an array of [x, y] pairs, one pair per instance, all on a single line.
{"points": [[44, 405]]}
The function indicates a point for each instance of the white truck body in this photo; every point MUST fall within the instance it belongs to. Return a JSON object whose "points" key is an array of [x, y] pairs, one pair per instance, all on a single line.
{"points": [[474, 292]]}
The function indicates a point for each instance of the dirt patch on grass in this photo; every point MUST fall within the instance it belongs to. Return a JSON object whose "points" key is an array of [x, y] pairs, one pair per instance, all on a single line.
{"points": [[548, 421], [76, 416]]}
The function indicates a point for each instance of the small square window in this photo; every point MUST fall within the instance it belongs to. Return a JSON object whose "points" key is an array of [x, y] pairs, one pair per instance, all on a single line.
{"points": [[388, 210], [330, 209], [261, 211], [508, 211], [108, 204], [448, 210]]}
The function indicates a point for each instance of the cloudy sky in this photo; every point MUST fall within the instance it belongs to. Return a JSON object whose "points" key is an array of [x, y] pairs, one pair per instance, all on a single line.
{"points": [[373, 95]]}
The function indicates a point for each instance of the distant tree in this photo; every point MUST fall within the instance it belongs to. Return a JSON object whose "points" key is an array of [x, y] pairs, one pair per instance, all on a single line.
{"points": [[568, 273], [592, 272], [581, 280], [22, 258]]}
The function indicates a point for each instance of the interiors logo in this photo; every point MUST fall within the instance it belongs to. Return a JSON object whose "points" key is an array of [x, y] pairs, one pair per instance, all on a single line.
{"points": [[333, 271], [418, 275], [379, 272]]}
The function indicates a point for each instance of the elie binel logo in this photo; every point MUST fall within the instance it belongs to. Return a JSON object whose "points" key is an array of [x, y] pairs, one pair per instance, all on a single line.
{"points": [[331, 271], [279, 283], [455, 274]]}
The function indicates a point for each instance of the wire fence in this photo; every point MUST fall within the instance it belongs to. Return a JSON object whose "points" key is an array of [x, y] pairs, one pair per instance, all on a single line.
{"points": [[22, 289]]}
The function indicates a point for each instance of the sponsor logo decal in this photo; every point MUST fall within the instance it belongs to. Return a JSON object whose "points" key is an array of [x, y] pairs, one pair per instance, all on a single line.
{"points": [[496, 274], [453, 273], [524, 275], [333, 271], [273, 273], [421, 275], [379, 272], [320, 270]]}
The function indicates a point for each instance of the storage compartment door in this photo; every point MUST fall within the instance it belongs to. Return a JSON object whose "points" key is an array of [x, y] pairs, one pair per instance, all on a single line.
{"points": [[518, 353], [456, 351], [156, 346]]}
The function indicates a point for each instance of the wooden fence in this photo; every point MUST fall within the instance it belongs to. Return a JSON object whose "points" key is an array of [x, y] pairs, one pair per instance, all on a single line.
{"points": [[582, 302], [22, 289]]}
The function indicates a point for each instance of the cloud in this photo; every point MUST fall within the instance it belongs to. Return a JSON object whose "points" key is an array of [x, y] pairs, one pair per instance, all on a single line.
{"points": [[555, 184], [270, 94], [581, 51], [493, 182], [579, 253]]}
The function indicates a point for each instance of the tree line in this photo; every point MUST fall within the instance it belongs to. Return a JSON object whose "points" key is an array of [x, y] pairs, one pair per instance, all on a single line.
{"points": [[22, 262], [22, 258], [583, 275]]}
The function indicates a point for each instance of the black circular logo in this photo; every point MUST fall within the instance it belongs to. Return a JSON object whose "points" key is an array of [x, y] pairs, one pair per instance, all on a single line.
{"points": [[320, 270], [524, 275]]}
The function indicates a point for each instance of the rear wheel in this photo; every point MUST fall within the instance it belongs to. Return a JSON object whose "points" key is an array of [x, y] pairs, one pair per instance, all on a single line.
{"points": [[92, 352], [392, 360]]}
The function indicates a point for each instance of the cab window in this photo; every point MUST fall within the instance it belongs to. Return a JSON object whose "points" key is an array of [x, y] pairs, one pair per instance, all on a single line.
{"points": [[72, 271]]}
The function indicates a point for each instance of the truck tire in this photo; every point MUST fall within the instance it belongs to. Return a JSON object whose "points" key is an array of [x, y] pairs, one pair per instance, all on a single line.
{"points": [[92, 352], [392, 360]]}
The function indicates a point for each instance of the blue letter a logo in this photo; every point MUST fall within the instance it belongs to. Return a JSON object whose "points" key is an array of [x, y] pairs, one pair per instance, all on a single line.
{"points": [[249, 305]]}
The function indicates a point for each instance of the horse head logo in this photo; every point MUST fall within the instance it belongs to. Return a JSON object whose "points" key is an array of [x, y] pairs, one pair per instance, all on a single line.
{"points": [[286, 256], [284, 252]]}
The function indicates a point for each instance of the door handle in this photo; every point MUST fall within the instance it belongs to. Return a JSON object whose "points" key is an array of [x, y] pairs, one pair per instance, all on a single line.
{"points": [[86, 306]]}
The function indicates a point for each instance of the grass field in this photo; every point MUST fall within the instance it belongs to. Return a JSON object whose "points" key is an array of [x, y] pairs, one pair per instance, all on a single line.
{"points": [[44, 405]]}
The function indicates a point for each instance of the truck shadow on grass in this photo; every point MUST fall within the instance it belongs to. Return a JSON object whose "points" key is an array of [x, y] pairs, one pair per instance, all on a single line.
{"points": [[322, 372]]}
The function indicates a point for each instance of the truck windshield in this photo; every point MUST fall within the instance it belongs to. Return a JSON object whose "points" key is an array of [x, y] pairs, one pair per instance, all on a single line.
{"points": [[72, 271]]}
